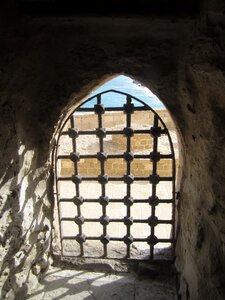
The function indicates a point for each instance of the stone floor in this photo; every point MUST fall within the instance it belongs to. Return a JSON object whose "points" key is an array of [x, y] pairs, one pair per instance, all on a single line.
{"points": [[79, 284]]}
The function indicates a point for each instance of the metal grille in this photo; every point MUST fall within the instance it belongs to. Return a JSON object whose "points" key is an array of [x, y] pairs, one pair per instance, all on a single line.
{"points": [[154, 132]]}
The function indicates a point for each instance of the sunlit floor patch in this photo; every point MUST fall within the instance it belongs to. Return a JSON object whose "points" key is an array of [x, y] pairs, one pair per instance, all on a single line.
{"points": [[73, 284]]}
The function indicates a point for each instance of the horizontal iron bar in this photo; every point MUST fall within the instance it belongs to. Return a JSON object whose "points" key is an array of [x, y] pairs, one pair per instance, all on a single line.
{"points": [[89, 178], [114, 178], [170, 178], [147, 156], [118, 239], [146, 221], [146, 178], [94, 220], [93, 156], [111, 132], [116, 200], [166, 156], [81, 156], [90, 109], [144, 156]]}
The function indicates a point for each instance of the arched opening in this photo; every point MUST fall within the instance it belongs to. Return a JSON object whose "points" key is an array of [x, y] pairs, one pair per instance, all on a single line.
{"points": [[115, 170]]}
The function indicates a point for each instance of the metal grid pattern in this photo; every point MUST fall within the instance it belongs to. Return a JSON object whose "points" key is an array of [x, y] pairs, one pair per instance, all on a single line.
{"points": [[155, 131]]}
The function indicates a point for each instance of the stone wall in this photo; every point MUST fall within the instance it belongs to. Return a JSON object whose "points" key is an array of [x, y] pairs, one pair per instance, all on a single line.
{"points": [[89, 121], [116, 167], [138, 142], [48, 65]]}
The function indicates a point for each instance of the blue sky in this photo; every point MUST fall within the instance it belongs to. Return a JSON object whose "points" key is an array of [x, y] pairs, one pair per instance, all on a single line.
{"points": [[126, 84]]}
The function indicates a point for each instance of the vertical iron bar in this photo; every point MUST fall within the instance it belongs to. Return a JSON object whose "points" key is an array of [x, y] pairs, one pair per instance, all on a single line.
{"points": [[102, 166], [77, 184], [173, 202], [128, 124], [154, 172]]}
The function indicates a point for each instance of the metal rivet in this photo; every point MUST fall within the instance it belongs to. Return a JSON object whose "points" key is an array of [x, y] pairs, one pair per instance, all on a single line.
{"points": [[100, 132], [128, 201], [79, 220], [76, 178], [102, 156], [128, 240], [99, 109], [78, 200], [128, 156], [105, 239], [103, 179], [75, 156], [128, 132], [152, 240], [73, 132], [104, 220], [128, 179], [80, 238], [154, 179]]}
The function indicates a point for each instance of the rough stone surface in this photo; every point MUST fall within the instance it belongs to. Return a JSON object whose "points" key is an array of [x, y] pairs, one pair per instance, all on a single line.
{"points": [[72, 284], [49, 64]]}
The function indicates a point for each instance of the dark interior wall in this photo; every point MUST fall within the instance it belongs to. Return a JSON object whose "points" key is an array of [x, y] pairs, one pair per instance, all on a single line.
{"points": [[111, 7], [49, 64]]}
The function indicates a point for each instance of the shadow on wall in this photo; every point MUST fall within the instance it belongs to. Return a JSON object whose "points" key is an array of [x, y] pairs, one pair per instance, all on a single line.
{"points": [[25, 230]]}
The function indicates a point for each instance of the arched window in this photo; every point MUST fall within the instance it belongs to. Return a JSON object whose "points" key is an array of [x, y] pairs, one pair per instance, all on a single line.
{"points": [[115, 179]]}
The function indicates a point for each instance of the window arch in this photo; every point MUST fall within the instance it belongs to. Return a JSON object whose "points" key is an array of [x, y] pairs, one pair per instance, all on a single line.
{"points": [[115, 179]]}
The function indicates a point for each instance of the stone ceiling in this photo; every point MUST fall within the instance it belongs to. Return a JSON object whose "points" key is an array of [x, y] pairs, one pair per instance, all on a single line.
{"points": [[109, 6]]}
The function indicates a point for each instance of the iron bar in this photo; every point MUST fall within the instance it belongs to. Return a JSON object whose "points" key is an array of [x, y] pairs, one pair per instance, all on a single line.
{"points": [[114, 132], [144, 156], [165, 201], [97, 220]]}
